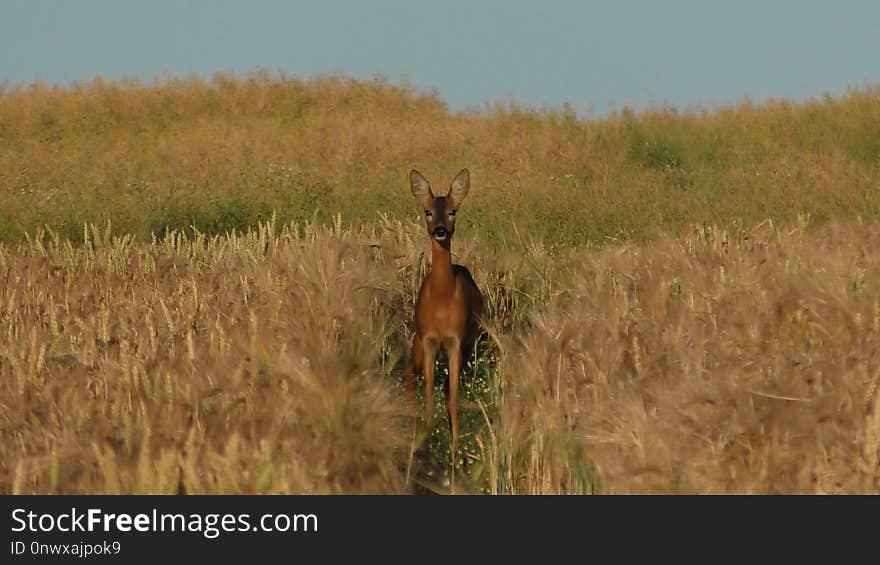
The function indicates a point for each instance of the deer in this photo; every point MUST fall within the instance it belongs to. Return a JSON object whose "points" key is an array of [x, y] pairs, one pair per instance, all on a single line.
{"points": [[449, 306]]}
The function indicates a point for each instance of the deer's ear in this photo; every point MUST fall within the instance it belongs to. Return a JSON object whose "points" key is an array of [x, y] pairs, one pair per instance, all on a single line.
{"points": [[460, 186], [419, 185]]}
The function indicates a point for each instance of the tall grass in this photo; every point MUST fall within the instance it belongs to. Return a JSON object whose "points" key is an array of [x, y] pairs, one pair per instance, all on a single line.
{"points": [[249, 363], [225, 153], [270, 362], [721, 362]]}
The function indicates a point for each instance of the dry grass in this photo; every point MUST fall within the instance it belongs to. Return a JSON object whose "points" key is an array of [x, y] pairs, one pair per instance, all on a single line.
{"points": [[717, 363], [240, 364], [225, 153], [740, 361]]}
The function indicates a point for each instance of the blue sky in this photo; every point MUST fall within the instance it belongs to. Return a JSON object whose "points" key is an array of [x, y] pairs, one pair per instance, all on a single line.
{"points": [[601, 55]]}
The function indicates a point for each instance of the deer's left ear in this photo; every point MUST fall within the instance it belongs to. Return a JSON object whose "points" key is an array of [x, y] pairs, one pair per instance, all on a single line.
{"points": [[460, 186]]}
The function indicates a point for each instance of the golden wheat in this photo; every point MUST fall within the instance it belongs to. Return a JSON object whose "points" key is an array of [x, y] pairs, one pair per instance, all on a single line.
{"points": [[270, 362]]}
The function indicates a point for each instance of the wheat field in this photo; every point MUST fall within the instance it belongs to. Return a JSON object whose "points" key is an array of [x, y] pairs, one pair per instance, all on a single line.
{"points": [[208, 287], [716, 362]]}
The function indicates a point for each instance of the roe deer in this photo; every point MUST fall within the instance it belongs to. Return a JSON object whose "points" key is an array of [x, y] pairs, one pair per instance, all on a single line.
{"points": [[449, 305]]}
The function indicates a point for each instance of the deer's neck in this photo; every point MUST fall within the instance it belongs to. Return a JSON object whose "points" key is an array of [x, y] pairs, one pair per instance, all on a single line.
{"points": [[442, 281]]}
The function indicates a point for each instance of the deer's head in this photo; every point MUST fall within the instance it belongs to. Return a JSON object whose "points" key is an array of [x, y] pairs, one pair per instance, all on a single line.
{"points": [[440, 210]]}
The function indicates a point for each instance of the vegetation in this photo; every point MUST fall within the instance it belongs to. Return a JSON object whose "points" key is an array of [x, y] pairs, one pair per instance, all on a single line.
{"points": [[207, 288], [224, 154], [716, 362]]}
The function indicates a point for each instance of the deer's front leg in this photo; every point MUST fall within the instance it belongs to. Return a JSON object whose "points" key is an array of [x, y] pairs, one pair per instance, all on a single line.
{"points": [[453, 352], [413, 366], [430, 346]]}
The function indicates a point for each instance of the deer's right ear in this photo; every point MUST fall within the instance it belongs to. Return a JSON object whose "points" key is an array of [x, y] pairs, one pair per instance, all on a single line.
{"points": [[419, 185]]}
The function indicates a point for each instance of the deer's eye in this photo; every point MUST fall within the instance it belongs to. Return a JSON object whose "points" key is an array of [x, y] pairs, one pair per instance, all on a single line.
{"points": [[452, 212], [428, 213]]}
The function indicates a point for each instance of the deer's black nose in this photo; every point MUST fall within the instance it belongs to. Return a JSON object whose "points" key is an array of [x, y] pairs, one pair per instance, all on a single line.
{"points": [[441, 232]]}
